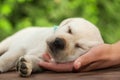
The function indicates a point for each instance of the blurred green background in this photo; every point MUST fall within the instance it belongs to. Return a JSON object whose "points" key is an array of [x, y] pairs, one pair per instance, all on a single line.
{"points": [[18, 14]]}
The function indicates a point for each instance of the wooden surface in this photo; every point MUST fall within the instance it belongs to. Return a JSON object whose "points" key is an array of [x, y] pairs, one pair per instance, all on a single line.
{"points": [[106, 74]]}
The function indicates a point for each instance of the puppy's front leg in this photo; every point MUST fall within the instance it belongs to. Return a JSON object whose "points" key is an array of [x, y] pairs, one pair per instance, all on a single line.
{"points": [[28, 64], [9, 58]]}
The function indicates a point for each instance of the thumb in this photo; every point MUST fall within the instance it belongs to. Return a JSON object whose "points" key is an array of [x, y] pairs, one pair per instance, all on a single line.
{"points": [[46, 57], [86, 59]]}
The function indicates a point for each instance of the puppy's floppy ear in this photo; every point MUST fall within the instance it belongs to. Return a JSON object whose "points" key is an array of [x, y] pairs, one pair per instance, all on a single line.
{"points": [[65, 22]]}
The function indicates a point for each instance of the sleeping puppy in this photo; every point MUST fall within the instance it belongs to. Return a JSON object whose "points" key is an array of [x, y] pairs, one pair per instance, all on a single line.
{"points": [[73, 37]]}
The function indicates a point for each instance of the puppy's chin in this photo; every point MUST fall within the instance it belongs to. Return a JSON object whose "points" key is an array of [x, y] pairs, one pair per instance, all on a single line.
{"points": [[59, 58], [64, 60]]}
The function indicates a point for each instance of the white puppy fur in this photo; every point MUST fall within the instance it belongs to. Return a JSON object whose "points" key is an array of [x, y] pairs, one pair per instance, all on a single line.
{"points": [[74, 37]]}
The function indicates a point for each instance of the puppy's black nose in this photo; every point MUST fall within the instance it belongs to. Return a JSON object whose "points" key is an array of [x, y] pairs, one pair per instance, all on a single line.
{"points": [[59, 43]]}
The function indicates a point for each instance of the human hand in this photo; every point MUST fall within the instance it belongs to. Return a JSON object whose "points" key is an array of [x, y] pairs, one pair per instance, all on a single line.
{"points": [[101, 56], [47, 64]]}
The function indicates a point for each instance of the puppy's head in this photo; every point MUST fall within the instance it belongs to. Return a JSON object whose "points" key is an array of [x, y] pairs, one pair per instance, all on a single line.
{"points": [[74, 37]]}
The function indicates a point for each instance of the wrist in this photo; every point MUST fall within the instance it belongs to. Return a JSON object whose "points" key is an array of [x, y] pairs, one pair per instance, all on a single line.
{"points": [[116, 47], [115, 50]]}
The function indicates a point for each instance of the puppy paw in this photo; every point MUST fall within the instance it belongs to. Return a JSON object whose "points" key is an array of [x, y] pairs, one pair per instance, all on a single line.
{"points": [[24, 67]]}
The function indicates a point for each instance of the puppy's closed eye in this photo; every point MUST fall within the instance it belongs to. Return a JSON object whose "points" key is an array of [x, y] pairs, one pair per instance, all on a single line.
{"points": [[69, 30], [77, 45]]}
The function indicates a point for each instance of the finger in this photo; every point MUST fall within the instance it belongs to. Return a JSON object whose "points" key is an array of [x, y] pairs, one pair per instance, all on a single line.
{"points": [[46, 57], [87, 58], [94, 55], [93, 66], [99, 65], [83, 60], [67, 67]]}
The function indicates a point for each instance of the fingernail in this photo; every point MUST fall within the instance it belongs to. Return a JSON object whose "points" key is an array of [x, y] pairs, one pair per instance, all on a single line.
{"points": [[77, 65]]}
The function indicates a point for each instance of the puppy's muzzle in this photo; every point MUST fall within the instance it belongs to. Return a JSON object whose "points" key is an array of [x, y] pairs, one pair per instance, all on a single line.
{"points": [[57, 44]]}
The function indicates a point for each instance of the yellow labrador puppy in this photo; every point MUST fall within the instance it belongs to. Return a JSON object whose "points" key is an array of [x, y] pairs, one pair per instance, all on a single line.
{"points": [[73, 37]]}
